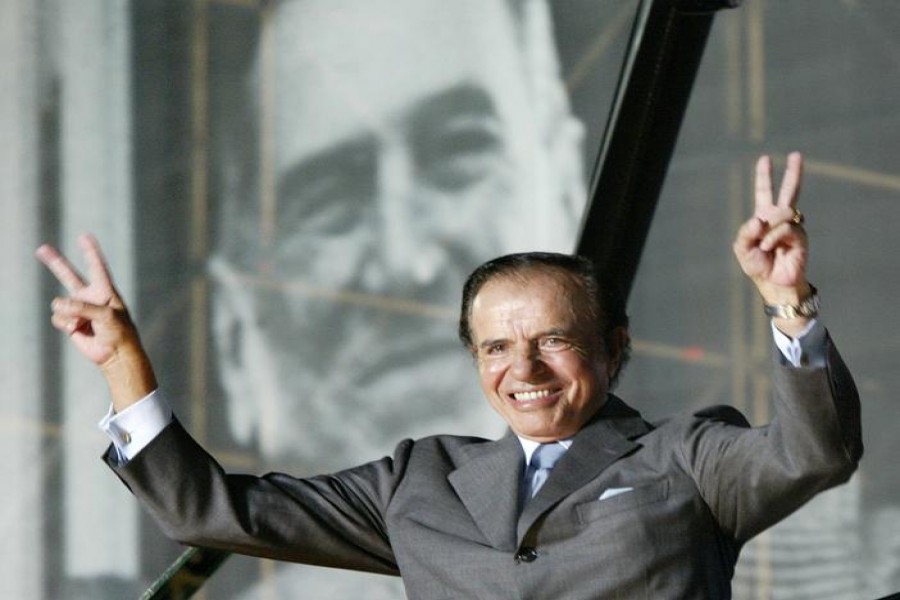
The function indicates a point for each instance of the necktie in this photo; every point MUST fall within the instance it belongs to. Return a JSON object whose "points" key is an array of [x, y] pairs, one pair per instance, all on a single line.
{"points": [[542, 461]]}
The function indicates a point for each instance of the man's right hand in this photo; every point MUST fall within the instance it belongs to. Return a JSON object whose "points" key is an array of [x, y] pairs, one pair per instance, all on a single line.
{"points": [[97, 321]]}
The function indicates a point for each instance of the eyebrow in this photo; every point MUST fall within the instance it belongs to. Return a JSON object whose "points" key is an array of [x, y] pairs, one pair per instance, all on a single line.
{"points": [[462, 99]]}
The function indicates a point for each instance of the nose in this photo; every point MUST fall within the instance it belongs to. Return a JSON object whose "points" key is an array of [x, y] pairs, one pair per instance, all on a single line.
{"points": [[527, 364], [406, 256], [396, 188]]}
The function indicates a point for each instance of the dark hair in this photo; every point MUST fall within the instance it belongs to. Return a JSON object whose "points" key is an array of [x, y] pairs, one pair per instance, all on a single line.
{"points": [[605, 303]]}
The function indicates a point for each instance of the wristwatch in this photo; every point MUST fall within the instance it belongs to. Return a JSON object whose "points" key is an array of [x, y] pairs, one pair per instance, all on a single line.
{"points": [[808, 307]]}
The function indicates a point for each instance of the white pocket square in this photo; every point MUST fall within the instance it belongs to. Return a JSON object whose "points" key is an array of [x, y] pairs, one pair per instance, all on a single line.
{"points": [[610, 492]]}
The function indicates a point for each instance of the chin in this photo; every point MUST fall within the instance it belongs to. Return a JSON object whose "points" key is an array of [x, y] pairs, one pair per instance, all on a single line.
{"points": [[545, 434]]}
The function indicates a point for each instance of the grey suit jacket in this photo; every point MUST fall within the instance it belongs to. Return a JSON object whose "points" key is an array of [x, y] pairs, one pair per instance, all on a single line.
{"points": [[630, 511]]}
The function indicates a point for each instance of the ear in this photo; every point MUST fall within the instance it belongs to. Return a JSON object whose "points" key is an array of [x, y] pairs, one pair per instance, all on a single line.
{"points": [[616, 343]]}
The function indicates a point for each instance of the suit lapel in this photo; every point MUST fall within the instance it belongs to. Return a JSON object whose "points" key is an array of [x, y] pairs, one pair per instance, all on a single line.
{"points": [[488, 484], [601, 442]]}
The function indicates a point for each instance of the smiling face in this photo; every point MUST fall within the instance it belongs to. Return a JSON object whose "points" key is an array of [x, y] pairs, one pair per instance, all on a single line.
{"points": [[541, 362]]}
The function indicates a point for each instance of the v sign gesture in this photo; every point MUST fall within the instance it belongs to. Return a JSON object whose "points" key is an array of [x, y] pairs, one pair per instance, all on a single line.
{"points": [[97, 322], [772, 247]]}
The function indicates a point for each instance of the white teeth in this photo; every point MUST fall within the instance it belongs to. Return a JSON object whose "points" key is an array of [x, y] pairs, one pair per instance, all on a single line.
{"points": [[531, 395]]}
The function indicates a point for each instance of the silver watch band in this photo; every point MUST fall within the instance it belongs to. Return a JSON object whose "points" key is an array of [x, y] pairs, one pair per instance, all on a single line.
{"points": [[808, 307]]}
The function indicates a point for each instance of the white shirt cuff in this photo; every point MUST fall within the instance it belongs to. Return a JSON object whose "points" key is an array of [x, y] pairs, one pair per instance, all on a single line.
{"points": [[807, 349], [136, 426]]}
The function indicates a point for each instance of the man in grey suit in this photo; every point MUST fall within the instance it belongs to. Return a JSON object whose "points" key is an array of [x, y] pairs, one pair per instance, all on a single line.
{"points": [[630, 510]]}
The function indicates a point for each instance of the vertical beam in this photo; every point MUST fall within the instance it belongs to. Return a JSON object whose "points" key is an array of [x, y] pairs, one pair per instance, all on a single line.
{"points": [[24, 309], [100, 519], [199, 227]]}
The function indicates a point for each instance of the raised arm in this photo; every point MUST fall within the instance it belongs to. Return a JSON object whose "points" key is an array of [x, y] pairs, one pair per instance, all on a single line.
{"points": [[97, 322], [753, 477]]}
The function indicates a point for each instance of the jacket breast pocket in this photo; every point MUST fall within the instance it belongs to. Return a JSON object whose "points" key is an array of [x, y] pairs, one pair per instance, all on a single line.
{"points": [[639, 495]]}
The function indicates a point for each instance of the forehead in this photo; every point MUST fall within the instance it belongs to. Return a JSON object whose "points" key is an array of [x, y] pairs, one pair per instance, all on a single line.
{"points": [[346, 66], [538, 299]]}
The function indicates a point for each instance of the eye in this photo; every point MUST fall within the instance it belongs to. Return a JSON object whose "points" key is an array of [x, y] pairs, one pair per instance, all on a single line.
{"points": [[460, 152], [495, 349], [553, 342], [324, 196]]}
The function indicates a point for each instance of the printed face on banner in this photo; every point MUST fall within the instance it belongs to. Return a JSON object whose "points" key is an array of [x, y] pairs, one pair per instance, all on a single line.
{"points": [[411, 141]]}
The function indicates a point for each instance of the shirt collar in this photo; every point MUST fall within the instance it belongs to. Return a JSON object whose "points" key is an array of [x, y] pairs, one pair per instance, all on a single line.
{"points": [[529, 446]]}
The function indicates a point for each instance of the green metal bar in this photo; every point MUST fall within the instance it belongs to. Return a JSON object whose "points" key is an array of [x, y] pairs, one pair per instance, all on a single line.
{"points": [[186, 575]]}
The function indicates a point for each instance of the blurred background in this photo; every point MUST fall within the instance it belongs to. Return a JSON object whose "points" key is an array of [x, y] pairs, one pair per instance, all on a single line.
{"points": [[290, 194]]}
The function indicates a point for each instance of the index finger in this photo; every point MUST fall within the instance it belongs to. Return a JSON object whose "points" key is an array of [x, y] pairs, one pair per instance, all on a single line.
{"points": [[763, 184], [61, 268]]}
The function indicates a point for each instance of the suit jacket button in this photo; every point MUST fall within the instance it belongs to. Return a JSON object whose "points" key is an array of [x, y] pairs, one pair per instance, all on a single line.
{"points": [[527, 554]]}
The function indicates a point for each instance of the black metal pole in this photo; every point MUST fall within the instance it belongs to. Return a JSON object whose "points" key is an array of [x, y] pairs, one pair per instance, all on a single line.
{"points": [[667, 44]]}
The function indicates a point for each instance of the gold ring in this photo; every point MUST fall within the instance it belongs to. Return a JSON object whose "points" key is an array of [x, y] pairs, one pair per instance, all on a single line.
{"points": [[798, 218]]}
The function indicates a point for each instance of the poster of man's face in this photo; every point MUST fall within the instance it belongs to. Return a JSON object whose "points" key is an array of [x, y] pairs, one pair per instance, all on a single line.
{"points": [[393, 146]]}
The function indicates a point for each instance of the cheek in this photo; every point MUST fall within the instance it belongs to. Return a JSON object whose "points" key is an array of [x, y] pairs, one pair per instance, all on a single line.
{"points": [[581, 374], [490, 375], [509, 233], [567, 365]]}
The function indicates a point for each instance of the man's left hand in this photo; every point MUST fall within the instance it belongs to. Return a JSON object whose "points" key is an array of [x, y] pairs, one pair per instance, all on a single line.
{"points": [[772, 246]]}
